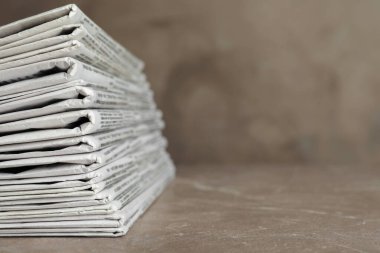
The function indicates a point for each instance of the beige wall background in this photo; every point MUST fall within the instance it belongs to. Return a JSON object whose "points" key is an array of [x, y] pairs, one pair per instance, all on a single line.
{"points": [[253, 81]]}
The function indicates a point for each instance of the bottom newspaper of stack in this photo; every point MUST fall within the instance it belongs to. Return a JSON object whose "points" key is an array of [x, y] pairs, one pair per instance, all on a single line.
{"points": [[50, 188]]}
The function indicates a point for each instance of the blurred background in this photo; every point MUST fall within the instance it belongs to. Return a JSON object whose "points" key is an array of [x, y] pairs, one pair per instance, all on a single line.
{"points": [[259, 81]]}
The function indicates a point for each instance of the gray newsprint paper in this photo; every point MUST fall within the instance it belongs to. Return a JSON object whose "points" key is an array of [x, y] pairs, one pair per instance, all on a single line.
{"points": [[81, 148], [72, 123], [75, 145], [43, 23]]}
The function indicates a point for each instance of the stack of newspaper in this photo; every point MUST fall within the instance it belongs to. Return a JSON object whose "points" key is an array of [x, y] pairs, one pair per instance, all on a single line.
{"points": [[81, 150]]}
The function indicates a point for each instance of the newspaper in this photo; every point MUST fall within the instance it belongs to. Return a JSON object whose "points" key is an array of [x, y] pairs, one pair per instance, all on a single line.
{"points": [[69, 14], [102, 197], [134, 211], [84, 163], [75, 145], [74, 49], [107, 176], [77, 97], [60, 35], [81, 148], [120, 198], [70, 124], [57, 73], [129, 171], [135, 205]]}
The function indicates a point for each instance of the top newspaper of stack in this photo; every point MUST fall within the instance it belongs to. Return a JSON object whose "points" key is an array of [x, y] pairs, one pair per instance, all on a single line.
{"points": [[65, 31], [62, 76]]}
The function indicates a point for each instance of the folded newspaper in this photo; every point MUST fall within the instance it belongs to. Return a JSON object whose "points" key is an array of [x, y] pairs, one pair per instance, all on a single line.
{"points": [[81, 149]]}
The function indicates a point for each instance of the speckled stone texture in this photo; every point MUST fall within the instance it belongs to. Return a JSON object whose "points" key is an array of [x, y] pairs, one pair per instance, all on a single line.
{"points": [[259, 209]]}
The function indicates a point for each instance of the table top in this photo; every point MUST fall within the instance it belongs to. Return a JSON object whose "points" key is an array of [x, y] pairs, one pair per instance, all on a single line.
{"points": [[258, 208]]}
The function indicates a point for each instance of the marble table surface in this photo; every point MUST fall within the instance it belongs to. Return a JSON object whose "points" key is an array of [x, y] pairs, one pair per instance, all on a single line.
{"points": [[258, 208]]}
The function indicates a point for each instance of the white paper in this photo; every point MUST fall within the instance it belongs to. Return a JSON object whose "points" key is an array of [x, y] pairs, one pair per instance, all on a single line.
{"points": [[69, 14], [81, 148]]}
